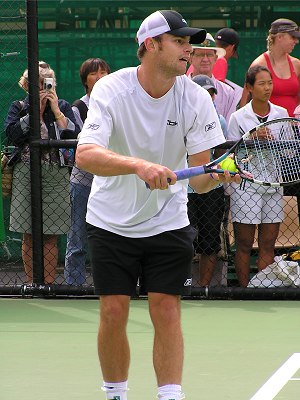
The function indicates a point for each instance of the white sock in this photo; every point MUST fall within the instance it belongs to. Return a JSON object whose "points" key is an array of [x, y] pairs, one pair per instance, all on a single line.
{"points": [[115, 390], [170, 392]]}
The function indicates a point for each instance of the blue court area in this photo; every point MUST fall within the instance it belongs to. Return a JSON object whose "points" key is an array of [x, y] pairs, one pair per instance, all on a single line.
{"points": [[234, 350]]}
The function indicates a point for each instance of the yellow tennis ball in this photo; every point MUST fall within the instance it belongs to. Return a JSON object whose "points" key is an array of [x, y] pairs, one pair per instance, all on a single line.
{"points": [[228, 165]]}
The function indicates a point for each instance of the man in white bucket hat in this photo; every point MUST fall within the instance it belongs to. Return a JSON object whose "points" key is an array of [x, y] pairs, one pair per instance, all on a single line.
{"points": [[203, 59]]}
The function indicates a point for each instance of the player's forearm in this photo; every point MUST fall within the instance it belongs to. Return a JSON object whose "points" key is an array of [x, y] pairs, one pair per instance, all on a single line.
{"points": [[100, 161], [203, 183]]}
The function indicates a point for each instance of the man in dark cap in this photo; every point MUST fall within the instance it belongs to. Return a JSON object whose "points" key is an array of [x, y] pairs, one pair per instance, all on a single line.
{"points": [[206, 219], [228, 39]]}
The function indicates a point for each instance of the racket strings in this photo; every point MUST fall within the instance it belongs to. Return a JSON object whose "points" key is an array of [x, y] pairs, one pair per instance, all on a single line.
{"points": [[272, 152]]}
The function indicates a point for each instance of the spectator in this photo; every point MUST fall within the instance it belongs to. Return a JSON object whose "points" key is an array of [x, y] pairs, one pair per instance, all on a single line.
{"points": [[141, 124], [206, 210], [283, 36], [251, 204], [203, 59], [90, 72], [56, 117], [228, 39]]}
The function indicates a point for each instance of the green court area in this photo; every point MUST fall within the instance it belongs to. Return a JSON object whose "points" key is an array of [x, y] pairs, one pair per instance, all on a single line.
{"points": [[232, 350]]}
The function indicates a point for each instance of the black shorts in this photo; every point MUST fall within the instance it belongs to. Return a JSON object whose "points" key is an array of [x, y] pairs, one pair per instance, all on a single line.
{"points": [[206, 212], [163, 262]]}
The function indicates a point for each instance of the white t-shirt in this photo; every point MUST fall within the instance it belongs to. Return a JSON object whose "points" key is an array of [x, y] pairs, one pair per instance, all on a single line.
{"points": [[124, 118]]}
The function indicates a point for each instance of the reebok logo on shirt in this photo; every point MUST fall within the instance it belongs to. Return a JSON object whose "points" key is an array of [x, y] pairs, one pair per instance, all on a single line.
{"points": [[171, 123], [93, 126], [210, 126]]}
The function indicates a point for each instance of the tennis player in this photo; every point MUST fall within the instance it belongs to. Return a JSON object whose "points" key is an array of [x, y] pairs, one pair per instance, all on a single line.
{"points": [[141, 125]]}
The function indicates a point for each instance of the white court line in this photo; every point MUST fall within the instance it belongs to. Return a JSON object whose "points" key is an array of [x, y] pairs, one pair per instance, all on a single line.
{"points": [[273, 385]]}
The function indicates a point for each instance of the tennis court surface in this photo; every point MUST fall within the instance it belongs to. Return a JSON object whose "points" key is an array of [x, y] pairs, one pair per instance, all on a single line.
{"points": [[235, 350]]}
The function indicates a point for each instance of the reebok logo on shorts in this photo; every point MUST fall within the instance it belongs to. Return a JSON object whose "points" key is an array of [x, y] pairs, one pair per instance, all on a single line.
{"points": [[188, 282]]}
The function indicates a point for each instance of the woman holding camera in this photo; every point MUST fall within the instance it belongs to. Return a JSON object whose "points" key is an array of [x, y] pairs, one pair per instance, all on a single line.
{"points": [[57, 121]]}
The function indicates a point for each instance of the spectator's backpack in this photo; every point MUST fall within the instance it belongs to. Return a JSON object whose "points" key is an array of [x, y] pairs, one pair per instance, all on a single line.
{"points": [[82, 107]]}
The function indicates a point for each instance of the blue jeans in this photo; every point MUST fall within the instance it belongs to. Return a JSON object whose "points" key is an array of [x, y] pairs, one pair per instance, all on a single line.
{"points": [[77, 237]]}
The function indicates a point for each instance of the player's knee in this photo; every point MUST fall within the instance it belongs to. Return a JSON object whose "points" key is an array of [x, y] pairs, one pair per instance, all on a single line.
{"points": [[166, 310], [114, 312]]}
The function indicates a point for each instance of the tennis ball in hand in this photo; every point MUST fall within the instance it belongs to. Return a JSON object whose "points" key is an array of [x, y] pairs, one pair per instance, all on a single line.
{"points": [[228, 165]]}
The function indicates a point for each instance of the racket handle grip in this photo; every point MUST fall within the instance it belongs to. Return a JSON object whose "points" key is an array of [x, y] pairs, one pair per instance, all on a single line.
{"points": [[200, 170], [186, 173], [189, 172]]}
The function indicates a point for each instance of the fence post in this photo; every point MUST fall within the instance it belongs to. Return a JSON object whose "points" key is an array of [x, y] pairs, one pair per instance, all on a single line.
{"points": [[35, 152], [2, 228]]}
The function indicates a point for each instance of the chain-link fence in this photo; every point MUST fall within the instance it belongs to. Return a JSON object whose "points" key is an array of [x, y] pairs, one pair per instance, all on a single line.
{"points": [[36, 211]]}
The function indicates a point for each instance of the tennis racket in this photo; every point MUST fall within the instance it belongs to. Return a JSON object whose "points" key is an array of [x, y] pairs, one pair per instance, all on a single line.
{"points": [[268, 154]]}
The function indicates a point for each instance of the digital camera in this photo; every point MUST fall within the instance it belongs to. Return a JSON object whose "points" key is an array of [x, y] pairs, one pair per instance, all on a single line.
{"points": [[48, 84]]}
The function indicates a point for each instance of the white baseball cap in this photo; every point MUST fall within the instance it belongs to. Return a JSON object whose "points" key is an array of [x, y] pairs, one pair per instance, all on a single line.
{"points": [[168, 21]]}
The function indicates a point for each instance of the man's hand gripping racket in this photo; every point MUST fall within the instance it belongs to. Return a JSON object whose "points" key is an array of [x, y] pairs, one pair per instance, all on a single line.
{"points": [[268, 154]]}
